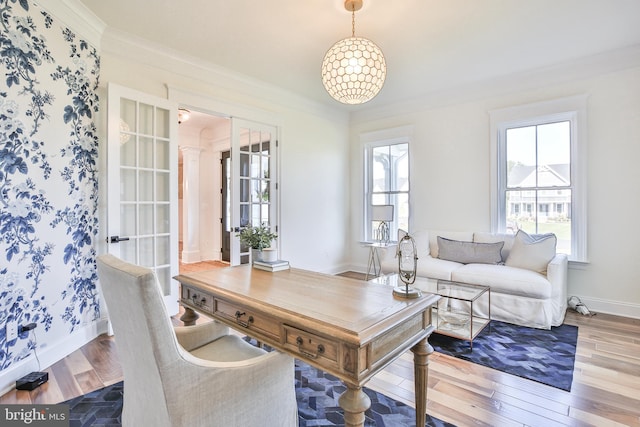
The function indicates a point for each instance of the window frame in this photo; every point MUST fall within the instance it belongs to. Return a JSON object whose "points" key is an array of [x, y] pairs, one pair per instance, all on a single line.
{"points": [[572, 109], [370, 141]]}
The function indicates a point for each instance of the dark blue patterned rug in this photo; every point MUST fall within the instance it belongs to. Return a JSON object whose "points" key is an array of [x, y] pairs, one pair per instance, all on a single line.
{"points": [[317, 394], [545, 356]]}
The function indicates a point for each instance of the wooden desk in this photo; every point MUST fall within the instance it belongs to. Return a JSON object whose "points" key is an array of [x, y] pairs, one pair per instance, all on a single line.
{"points": [[349, 328]]}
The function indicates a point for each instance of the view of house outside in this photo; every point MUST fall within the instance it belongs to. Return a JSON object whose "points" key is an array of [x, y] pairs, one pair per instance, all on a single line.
{"points": [[539, 190]]}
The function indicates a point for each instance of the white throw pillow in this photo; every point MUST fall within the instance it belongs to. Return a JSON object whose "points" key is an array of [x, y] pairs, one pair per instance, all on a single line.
{"points": [[532, 252]]}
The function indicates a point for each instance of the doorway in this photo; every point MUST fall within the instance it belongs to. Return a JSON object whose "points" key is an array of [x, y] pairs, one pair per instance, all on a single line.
{"points": [[201, 139], [220, 192]]}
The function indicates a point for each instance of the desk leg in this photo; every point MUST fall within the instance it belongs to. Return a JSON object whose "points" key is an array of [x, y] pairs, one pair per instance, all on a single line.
{"points": [[355, 402], [421, 352], [189, 317]]}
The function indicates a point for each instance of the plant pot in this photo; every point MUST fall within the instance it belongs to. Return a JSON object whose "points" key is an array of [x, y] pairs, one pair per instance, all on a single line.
{"points": [[256, 255], [269, 255]]}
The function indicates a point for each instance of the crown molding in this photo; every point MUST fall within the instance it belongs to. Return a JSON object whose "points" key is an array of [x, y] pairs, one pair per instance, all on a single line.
{"points": [[570, 71], [78, 17], [133, 48]]}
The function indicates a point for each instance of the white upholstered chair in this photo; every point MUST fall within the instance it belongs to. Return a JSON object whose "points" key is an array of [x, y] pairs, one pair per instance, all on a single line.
{"points": [[189, 376]]}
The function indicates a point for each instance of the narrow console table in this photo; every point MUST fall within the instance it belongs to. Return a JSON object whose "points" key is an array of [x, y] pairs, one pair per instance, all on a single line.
{"points": [[348, 328]]}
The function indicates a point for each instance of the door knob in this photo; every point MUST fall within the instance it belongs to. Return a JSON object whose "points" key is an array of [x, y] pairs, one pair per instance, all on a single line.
{"points": [[116, 239]]}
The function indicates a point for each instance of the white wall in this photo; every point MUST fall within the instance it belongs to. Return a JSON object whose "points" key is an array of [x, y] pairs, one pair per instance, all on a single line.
{"points": [[450, 177], [314, 149]]}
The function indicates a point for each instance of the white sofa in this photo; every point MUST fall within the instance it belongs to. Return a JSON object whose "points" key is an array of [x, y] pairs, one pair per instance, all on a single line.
{"points": [[519, 295]]}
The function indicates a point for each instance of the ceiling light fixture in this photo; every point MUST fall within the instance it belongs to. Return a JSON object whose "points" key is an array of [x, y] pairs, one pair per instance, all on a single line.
{"points": [[183, 115], [354, 69]]}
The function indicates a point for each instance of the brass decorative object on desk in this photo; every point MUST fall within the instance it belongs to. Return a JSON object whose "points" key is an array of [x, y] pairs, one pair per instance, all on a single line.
{"points": [[407, 264]]}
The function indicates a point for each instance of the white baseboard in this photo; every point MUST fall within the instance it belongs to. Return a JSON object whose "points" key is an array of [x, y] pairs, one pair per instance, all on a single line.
{"points": [[50, 354], [190, 257], [618, 308]]}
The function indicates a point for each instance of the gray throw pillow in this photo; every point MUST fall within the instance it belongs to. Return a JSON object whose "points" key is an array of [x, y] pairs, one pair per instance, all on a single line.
{"points": [[469, 252]]}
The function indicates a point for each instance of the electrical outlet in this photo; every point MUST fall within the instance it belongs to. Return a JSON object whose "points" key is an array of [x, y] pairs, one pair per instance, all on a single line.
{"points": [[12, 330]]}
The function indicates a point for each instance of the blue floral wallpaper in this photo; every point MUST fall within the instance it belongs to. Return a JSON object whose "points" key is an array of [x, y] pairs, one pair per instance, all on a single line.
{"points": [[48, 178]]}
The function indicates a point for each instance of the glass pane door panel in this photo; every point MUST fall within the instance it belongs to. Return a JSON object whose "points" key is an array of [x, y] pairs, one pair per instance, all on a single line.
{"points": [[146, 152], [163, 186], [255, 190], [127, 185], [245, 163], [163, 275], [128, 220], [146, 251], [146, 186], [244, 191], [255, 166], [128, 251], [146, 119], [163, 118], [162, 250], [244, 215], [163, 218], [162, 154], [128, 150], [127, 115], [255, 215], [146, 219]]}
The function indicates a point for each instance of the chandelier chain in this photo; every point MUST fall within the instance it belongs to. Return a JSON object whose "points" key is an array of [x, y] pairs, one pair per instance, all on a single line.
{"points": [[353, 20]]}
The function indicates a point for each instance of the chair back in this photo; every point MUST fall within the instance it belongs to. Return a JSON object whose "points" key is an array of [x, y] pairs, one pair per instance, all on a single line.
{"points": [[144, 337]]}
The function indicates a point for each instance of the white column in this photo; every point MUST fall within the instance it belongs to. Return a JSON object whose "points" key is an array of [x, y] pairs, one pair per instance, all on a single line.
{"points": [[191, 204]]}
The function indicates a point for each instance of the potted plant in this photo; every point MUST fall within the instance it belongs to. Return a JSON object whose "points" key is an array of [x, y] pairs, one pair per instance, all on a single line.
{"points": [[258, 238]]}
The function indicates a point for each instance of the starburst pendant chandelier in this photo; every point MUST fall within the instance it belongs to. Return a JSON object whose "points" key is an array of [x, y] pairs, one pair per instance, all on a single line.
{"points": [[354, 69]]}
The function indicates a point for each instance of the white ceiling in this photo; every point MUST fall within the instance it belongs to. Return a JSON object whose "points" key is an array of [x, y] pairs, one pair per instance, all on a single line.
{"points": [[429, 45]]}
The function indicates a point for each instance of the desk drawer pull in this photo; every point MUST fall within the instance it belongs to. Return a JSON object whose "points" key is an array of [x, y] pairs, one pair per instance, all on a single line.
{"points": [[241, 322], [320, 349]]}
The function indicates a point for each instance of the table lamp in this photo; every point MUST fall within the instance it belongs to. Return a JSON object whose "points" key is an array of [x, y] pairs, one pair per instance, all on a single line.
{"points": [[384, 214]]}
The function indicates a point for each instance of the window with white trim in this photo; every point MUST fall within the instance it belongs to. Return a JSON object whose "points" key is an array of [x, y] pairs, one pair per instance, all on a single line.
{"points": [[538, 172], [386, 171]]}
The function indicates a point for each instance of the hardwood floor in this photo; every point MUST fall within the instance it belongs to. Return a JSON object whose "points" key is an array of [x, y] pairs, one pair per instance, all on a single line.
{"points": [[605, 392]]}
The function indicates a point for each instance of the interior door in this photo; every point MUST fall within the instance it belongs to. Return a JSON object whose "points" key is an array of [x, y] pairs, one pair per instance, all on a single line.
{"points": [[253, 199], [142, 193], [225, 193]]}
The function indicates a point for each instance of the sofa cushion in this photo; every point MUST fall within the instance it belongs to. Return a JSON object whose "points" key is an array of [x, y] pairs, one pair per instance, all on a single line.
{"points": [[469, 252], [436, 268], [453, 235], [532, 252], [504, 279], [422, 243], [486, 237]]}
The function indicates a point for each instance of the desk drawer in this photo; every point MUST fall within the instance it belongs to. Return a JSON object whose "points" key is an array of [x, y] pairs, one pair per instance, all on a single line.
{"points": [[311, 346], [199, 299], [248, 319]]}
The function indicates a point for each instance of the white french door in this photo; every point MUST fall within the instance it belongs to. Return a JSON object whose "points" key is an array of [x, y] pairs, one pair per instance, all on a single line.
{"points": [[142, 193], [253, 192]]}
